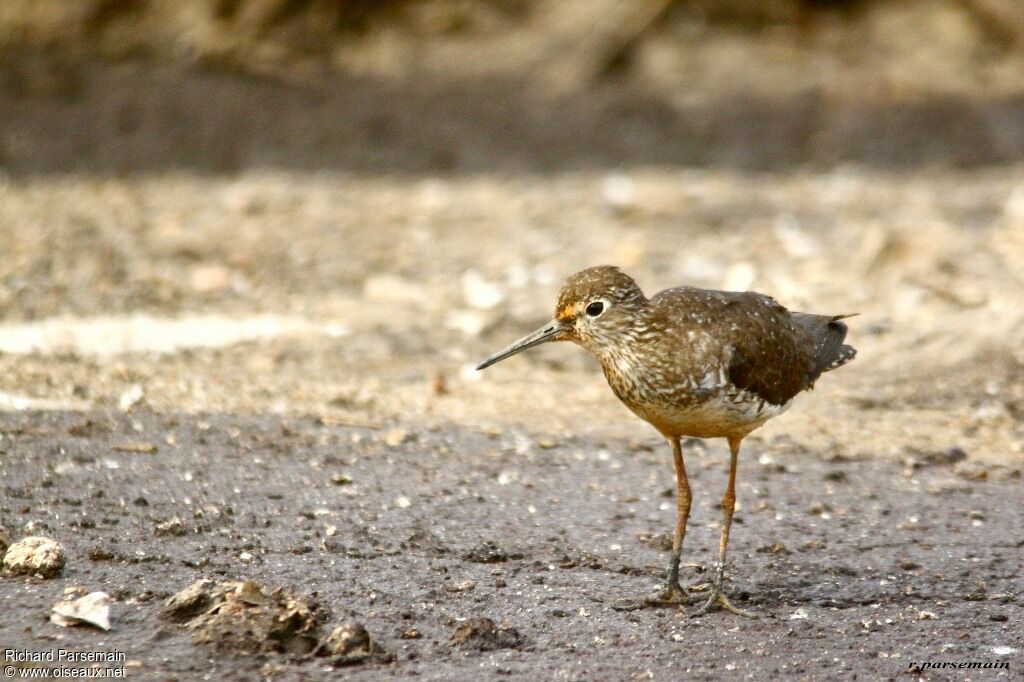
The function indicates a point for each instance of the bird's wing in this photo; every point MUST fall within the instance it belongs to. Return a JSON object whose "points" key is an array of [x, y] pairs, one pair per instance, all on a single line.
{"points": [[762, 350], [772, 357]]}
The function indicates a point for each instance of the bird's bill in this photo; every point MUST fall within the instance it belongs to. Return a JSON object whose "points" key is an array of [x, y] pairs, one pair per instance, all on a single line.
{"points": [[549, 332]]}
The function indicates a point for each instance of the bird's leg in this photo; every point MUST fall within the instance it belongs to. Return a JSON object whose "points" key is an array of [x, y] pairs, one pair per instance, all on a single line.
{"points": [[728, 506], [673, 594]]}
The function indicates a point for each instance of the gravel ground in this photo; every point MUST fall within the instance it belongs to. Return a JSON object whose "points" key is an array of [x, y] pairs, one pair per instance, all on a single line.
{"points": [[857, 567]]}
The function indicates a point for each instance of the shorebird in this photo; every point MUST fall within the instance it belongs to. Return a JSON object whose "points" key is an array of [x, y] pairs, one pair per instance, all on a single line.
{"points": [[693, 363]]}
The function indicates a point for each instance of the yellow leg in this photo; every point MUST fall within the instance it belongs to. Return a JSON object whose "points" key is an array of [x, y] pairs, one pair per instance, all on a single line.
{"points": [[728, 506], [683, 499], [673, 594]]}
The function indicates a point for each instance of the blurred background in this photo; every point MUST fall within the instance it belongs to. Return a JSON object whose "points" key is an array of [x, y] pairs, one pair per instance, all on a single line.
{"points": [[336, 207]]}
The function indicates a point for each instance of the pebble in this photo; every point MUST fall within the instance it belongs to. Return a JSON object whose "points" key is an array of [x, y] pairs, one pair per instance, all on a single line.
{"points": [[350, 642], [173, 526], [463, 586], [35, 556], [483, 635], [486, 552], [131, 397], [395, 437]]}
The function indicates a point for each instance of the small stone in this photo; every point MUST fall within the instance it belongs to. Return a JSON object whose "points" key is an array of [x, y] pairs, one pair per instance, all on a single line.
{"points": [[464, 586], [141, 448], [341, 479], [245, 557], [659, 541], [173, 526], [131, 398], [508, 476], [403, 502], [819, 508], [486, 552], [483, 635], [190, 602], [349, 643], [395, 437], [250, 592], [774, 548], [926, 615], [971, 471], [411, 633], [35, 556]]}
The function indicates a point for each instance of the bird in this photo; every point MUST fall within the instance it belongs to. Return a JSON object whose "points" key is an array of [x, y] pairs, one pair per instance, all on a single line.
{"points": [[694, 363]]}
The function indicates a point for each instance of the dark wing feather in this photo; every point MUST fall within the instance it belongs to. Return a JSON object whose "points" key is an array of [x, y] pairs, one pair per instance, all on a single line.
{"points": [[771, 354]]}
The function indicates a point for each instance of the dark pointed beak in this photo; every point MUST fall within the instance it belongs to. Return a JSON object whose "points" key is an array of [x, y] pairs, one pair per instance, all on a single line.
{"points": [[549, 332]]}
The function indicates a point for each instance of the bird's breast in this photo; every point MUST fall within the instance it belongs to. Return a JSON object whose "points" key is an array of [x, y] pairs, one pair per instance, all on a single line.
{"points": [[699, 401], [644, 379]]}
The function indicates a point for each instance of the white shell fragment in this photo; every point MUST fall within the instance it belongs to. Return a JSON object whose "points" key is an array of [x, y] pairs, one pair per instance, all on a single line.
{"points": [[92, 609]]}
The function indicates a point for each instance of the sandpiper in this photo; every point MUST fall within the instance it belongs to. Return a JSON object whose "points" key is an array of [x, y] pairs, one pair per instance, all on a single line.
{"points": [[693, 363]]}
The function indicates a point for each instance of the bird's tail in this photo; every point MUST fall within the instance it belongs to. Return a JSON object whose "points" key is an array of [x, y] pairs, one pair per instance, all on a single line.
{"points": [[828, 333]]}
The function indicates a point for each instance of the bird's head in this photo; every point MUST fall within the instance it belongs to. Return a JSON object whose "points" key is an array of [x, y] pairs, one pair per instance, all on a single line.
{"points": [[597, 308]]}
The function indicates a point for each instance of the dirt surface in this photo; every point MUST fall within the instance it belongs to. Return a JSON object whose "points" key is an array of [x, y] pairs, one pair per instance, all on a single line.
{"points": [[857, 567], [251, 253], [388, 291]]}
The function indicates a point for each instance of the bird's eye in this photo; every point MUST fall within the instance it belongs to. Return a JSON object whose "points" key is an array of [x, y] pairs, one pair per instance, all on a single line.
{"points": [[595, 308]]}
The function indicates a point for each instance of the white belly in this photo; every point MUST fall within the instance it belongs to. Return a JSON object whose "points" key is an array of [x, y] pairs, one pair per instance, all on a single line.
{"points": [[722, 415]]}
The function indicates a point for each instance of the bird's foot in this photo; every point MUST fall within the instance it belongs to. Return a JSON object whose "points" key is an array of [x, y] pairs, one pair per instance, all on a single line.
{"points": [[718, 599], [672, 595]]}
